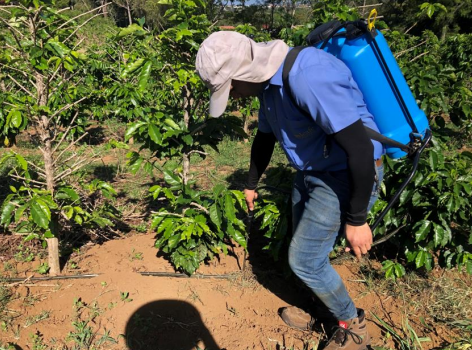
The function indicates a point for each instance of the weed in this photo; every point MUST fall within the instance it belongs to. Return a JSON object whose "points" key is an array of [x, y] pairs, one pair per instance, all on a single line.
{"points": [[43, 268], [409, 340], [106, 338], [104, 284], [125, 297], [82, 335], [31, 320], [111, 305], [142, 227], [78, 304], [5, 297], [38, 341], [31, 299], [73, 265], [8, 346], [8, 267], [24, 254], [136, 255]]}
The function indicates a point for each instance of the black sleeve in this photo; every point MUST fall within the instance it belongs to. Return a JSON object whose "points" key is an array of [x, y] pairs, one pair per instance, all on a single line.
{"points": [[261, 152], [359, 150]]}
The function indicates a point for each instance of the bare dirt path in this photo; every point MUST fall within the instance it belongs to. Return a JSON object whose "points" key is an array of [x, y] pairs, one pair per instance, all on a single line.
{"points": [[162, 313]]}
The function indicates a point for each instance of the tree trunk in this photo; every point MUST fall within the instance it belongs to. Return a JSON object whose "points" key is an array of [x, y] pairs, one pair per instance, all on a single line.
{"points": [[128, 8], [47, 150], [104, 9], [188, 102]]}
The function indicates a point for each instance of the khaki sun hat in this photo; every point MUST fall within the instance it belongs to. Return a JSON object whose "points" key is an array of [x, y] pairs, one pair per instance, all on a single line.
{"points": [[227, 55]]}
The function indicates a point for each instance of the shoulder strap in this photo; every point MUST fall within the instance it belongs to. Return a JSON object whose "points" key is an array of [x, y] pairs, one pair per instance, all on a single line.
{"points": [[373, 135]]}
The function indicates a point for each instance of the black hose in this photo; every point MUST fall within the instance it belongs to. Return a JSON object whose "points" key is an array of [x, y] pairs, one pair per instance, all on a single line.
{"points": [[49, 278]]}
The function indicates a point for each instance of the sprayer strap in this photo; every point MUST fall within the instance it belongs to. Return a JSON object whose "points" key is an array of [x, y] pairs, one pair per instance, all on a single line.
{"points": [[373, 135]]}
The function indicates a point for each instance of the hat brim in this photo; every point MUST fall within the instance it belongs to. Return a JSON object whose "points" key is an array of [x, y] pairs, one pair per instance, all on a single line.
{"points": [[219, 100]]}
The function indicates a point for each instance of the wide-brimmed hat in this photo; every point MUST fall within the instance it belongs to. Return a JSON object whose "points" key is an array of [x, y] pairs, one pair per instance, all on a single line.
{"points": [[226, 55]]}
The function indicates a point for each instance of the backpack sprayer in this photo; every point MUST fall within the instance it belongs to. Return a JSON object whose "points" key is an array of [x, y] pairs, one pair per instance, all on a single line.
{"points": [[404, 128]]}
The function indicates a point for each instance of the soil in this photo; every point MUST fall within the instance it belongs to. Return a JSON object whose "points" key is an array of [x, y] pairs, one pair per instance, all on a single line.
{"points": [[170, 313]]}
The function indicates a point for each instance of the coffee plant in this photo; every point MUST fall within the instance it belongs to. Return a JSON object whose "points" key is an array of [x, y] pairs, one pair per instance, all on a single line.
{"points": [[43, 89]]}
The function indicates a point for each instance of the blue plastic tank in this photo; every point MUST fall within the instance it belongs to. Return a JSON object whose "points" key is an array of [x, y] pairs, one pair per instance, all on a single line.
{"points": [[365, 63]]}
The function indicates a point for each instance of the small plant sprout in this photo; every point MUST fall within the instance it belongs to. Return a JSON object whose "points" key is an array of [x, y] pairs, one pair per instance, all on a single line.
{"points": [[125, 297], [43, 268]]}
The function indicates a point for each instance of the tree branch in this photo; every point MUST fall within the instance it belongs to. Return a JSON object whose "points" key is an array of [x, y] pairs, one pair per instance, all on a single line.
{"points": [[65, 133], [410, 49], [72, 169], [28, 180], [82, 14], [196, 205], [22, 87], [40, 171], [165, 213], [80, 26], [419, 56], [69, 146], [199, 152], [67, 107]]}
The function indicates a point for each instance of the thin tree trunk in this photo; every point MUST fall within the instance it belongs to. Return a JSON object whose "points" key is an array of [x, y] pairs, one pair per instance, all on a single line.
{"points": [[47, 150], [128, 8], [104, 9], [188, 102]]}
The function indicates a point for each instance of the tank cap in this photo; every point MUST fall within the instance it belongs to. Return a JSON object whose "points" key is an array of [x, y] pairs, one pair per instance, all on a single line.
{"points": [[322, 32]]}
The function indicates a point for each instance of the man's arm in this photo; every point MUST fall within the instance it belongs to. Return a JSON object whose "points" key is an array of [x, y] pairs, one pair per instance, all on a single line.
{"points": [[261, 152], [359, 149]]}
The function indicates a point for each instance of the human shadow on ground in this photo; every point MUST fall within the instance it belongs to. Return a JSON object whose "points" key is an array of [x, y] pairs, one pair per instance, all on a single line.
{"points": [[168, 324]]}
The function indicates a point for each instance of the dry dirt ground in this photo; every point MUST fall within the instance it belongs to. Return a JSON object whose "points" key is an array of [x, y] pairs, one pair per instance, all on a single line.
{"points": [[169, 313]]}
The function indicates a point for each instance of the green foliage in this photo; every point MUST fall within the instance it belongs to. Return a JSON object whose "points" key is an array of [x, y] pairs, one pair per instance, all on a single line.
{"points": [[197, 225], [434, 209], [274, 215], [42, 210]]}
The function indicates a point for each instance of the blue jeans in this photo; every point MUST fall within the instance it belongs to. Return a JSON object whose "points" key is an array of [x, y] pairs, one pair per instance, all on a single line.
{"points": [[319, 203]]}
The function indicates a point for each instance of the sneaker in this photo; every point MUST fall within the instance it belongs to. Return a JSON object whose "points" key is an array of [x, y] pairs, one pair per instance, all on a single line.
{"points": [[351, 335], [297, 318]]}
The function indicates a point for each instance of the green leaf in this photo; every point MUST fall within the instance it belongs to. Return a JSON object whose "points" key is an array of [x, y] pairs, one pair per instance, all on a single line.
{"points": [[439, 234], [19, 212], [469, 267], [420, 259], [22, 162], [154, 133], [40, 213], [423, 230], [433, 160], [67, 193], [215, 215], [229, 208], [144, 75], [59, 48], [399, 270], [16, 118], [133, 28], [7, 211], [132, 129], [171, 179], [131, 67], [173, 241]]}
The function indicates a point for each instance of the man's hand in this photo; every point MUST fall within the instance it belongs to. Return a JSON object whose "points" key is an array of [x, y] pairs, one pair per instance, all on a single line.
{"points": [[359, 239], [251, 196]]}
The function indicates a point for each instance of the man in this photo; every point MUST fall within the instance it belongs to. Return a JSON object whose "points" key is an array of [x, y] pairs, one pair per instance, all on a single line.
{"points": [[321, 130]]}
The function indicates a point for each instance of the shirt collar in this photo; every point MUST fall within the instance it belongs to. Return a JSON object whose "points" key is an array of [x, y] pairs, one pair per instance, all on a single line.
{"points": [[277, 77]]}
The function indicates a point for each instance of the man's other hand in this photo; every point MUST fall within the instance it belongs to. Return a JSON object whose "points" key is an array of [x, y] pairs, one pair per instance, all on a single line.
{"points": [[251, 196], [359, 239]]}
